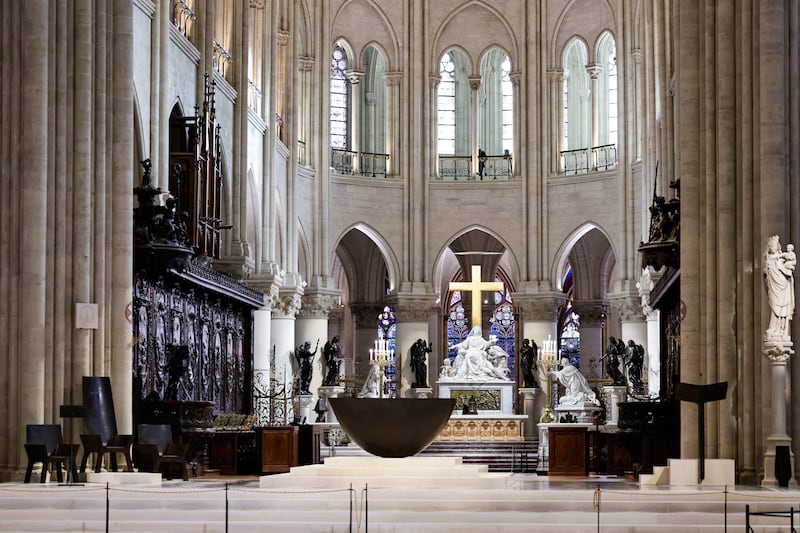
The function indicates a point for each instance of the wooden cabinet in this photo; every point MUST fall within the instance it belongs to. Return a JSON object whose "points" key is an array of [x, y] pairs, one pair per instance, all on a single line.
{"points": [[277, 448], [233, 453], [568, 451]]}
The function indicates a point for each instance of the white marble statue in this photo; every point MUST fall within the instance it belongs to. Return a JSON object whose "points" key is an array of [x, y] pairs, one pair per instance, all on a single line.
{"points": [[372, 385], [577, 388], [477, 360], [779, 278]]}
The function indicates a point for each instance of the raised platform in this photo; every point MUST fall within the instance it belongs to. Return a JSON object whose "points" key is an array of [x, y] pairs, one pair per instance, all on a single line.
{"points": [[491, 396]]}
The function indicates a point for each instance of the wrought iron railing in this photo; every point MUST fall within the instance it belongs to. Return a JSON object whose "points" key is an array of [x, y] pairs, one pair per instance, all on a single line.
{"points": [[459, 167], [595, 159], [342, 161], [455, 167], [368, 164], [373, 165]]}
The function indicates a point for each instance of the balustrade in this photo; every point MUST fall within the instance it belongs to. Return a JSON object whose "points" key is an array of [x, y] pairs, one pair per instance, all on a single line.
{"points": [[183, 16], [595, 159]]}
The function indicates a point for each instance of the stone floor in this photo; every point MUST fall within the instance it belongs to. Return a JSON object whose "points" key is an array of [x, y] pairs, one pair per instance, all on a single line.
{"points": [[357, 495]]}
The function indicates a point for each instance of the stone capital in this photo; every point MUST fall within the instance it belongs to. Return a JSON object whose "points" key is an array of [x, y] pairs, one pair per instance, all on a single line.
{"points": [[317, 303], [258, 4], [365, 314], [627, 307], [393, 78], [541, 307], [434, 80], [282, 37], [779, 352], [288, 303], [474, 82], [416, 308], [591, 312], [305, 63], [555, 74], [594, 71], [636, 55], [354, 76], [515, 77]]}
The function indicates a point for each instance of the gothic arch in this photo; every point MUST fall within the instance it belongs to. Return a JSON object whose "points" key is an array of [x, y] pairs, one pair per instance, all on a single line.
{"points": [[302, 25], [482, 240], [392, 59], [565, 29], [594, 256], [303, 252], [382, 250], [504, 39]]}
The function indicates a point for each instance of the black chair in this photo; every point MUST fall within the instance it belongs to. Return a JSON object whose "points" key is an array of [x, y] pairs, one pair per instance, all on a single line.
{"points": [[44, 444], [155, 451], [100, 437]]}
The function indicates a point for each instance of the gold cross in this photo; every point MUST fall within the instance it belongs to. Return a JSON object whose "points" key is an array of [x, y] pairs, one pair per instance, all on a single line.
{"points": [[476, 286]]}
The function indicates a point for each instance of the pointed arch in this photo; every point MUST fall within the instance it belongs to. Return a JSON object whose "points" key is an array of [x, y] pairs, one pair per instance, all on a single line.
{"points": [[386, 252]]}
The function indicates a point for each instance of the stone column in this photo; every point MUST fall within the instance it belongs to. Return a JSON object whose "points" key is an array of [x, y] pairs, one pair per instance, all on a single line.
{"points": [[615, 394], [354, 77], [539, 315], [263, 370], [556, 78], [411, 315], [778, 352], [305, 143], [474, 85], [594, 73], [312, 326], [653, 324], [392, 120], [528, 404], [592, 314], [365, 316], [284, 313], [433, 82]]}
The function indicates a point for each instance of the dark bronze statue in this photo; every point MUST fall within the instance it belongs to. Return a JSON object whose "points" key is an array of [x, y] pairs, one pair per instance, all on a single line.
{"points": [[528, 357], [418, 351], [305, 357], [333, 361], [616, 349], [634, 362]]}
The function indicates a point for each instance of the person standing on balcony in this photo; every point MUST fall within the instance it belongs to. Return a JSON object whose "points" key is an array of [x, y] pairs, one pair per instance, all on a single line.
{"points": [[481, 161]]}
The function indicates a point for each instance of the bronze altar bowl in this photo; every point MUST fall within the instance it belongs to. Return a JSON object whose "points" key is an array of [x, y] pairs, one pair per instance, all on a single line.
{"points": [[393, 427]]}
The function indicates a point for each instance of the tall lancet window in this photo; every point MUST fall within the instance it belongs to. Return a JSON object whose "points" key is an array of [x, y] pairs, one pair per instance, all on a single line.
{"points": [[339, 99], [503, 322], [387, 330], [607, 90], [577, 110], [457, 321], [446, 103], [569, 324], [496, 104]]}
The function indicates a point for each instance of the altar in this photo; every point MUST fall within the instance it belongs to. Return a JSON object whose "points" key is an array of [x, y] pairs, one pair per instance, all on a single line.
{"points": [[493, 397]]}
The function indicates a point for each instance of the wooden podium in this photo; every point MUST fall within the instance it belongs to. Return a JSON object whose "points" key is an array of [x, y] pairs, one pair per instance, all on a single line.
{"points": [[701, 395], [282, 447], [569, 455]]}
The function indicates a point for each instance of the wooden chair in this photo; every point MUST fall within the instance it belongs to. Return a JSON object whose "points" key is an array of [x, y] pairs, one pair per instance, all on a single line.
{"points": [[44, 444], [155, 451]]}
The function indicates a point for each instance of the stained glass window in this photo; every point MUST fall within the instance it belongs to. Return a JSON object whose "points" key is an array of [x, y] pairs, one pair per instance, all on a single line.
{"points": [[508, 106], [503, 323], [387, 330], [339, 99], [569, 324], [446, 105], [457, 322]]}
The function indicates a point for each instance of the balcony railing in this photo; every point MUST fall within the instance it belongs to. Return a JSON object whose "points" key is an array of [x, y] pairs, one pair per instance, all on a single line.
{"points": [[253, 96], [183, 17], [221, 58], [459, 167], [368, 164], [455, 167], [595, 159]]}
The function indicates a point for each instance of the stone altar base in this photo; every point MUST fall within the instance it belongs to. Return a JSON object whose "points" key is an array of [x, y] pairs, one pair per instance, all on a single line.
{"points": [[584, 412], [488, 427], [493, 397]]}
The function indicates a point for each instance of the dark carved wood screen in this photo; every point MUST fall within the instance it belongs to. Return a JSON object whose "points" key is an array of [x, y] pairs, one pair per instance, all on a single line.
{"points": [[206, 314], [195, 173]]}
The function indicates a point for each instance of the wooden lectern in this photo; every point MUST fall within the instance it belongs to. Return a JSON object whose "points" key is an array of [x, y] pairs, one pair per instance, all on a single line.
{"points": [[701, 395]]}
